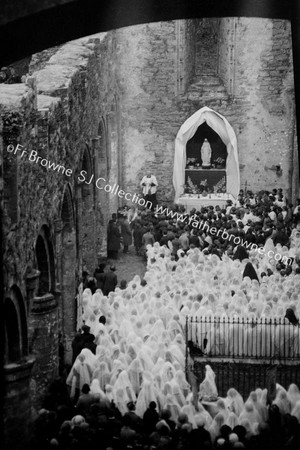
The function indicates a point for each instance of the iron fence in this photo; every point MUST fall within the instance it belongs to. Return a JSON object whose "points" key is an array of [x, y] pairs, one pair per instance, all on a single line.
{"points": [[241, 338]]}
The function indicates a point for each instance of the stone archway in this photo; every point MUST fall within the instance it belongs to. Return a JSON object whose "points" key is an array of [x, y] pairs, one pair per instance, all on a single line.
{"points": [[15, 325], [17, 371], [43, 318]]}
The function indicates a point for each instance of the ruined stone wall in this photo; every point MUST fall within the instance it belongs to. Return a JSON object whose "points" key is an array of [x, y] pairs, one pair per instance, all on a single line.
{"points": [[207, 46], [149, 116], [225, 38], [267, 137], [56, 114], [258, 101]]}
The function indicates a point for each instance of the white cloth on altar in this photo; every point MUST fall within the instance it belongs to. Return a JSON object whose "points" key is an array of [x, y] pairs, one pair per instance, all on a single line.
{"points": [[222, 127]]}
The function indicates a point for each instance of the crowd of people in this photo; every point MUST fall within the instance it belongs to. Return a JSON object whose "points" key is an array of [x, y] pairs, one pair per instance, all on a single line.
{"points": [[263, 218], [127, 387]]}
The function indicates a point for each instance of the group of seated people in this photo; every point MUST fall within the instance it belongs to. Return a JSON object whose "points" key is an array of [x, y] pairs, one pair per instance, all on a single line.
{"points": [[130, 390]]}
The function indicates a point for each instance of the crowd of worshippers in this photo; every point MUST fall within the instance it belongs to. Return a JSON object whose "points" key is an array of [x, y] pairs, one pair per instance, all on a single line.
{"points": [[253, 218], [96, 423]]}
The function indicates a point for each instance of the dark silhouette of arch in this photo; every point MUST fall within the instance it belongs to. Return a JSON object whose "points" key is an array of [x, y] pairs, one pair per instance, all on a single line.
{"points": [[45, 262], [67, 210], [15, 324]]}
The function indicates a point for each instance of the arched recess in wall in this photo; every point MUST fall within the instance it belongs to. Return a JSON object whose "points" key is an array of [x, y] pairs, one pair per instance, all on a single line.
{"points": [[15, 326], [45, 261], [68, 265]]}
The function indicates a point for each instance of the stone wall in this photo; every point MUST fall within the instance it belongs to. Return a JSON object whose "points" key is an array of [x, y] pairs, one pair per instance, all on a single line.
{"points": [[57, 115], [152, 112]]}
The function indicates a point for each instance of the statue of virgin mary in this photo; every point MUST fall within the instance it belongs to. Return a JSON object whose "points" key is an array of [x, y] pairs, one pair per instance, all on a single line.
{"points": [[206, 153]]}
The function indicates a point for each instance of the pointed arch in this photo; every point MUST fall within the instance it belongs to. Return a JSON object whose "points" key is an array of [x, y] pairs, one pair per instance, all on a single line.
{"points": [[222, 127], [67, 209], [45, 261], [15, 325]]}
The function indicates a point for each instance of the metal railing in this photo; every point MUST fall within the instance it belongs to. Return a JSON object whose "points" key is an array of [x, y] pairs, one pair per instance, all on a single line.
{"points": [[241, 338]]}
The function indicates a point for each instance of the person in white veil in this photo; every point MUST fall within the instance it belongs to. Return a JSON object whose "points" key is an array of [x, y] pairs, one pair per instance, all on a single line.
{"points": [[217, 423], [234, 401], [296, 411], [147, 394], [293, 394], [259, 406], [95, 389], [167, 372], [172, 406], [123, 382], [250, 413], [102, 374], [282, 401], [208, 389], [81, 371], [119, 397], [182, 383], [135, 374]]}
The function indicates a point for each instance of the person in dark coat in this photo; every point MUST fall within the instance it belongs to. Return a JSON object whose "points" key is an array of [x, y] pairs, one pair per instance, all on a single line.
{"points": [[199, 435], [250, 272], [76, 346], [138, 237], [150, 418], [90, 344], [99, 275], [113, 239], [126, 233], [86, 336], [240, 253], [111, 281]]}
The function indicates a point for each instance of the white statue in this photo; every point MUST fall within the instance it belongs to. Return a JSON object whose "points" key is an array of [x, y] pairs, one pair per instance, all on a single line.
{"points": [[206, 153]]}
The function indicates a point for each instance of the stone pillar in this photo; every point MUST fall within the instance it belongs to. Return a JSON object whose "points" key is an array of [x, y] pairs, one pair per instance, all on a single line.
{"points": [[17, 403], [43, 343]]}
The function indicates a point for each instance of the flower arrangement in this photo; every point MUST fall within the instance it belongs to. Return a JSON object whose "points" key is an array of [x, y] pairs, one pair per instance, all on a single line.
{"points": [[219, 162]]}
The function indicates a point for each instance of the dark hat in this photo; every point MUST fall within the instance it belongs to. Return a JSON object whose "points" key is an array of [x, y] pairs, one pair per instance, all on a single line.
{"points": [[85, 328]]}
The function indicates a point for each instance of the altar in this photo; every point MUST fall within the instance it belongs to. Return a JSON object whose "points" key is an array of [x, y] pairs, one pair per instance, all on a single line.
{"points": [[212, 180], [197, 201]]}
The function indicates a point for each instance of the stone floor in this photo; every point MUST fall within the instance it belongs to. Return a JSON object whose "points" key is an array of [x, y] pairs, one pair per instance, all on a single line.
{"points": [[128, 265]]}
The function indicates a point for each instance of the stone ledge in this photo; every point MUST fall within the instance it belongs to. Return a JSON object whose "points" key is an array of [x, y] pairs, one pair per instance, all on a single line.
{"points": [[18, 371], [43, 304]]}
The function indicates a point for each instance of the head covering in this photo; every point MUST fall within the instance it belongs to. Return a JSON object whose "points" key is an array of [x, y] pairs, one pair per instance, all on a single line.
{"points": [[250, 272]]}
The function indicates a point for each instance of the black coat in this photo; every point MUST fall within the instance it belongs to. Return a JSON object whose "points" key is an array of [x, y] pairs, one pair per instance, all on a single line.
{"points": [[113, 237], [100, 277], [110, 283]]}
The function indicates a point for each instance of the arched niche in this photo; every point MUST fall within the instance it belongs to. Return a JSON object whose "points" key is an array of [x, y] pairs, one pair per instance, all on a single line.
{"points": [[45, 262], [193, 146], [186, 132], [15, 326]]}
